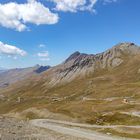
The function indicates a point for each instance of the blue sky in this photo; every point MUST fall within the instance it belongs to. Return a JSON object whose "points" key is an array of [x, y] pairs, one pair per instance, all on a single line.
{"points": [[71, 29]]}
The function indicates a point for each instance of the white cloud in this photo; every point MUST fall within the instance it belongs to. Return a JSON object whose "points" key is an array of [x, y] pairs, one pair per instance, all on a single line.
{"points": [[69, 5], [43, 56], [42, 46], [15, 16], [10, 50], [109, 1], [74, 5], [90, 6], [77, 5]]}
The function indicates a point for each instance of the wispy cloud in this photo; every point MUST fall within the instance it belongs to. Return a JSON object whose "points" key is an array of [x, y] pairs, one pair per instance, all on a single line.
{"points": [[109, 1], [74, 5], [43, 56], [41, 45], [10, 50], [77, 5]]}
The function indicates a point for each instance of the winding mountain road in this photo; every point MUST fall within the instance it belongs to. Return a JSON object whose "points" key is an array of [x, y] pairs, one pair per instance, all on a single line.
{"points": [[72, 129]]}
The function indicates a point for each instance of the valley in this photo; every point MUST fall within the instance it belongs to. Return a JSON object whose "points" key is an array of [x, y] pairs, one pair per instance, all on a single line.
{"points": [[87, 96]]}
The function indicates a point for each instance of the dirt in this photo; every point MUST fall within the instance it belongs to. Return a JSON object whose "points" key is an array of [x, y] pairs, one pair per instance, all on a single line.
{"points": [[14, 129]]}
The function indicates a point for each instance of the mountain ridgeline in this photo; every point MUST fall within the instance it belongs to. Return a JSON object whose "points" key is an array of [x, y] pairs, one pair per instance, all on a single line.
{"points": [[11, 76], [76, 65], [86, 87], [80, 64]]}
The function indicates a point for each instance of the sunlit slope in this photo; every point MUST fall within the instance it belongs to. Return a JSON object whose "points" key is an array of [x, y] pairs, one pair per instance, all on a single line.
{"points": [[95, 94]]}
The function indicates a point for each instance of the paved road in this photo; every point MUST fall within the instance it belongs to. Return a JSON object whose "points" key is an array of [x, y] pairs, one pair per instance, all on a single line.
{"points": [[63, 127]]}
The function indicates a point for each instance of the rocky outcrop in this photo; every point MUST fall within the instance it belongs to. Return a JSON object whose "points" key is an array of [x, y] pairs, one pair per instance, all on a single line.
{"points": [[42, 69]]}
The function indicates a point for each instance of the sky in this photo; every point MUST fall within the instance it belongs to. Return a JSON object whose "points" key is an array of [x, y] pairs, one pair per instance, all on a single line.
{"points": [[46, 32]]}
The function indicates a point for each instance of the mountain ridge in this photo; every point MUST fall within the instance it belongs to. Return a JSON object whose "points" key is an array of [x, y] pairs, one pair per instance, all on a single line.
{"points": [[87, 88], [76, 65], [14, 75], [81, 64]]}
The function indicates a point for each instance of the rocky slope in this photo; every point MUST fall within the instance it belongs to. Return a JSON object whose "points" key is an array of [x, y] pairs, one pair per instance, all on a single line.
{"points": [[79, 64]]}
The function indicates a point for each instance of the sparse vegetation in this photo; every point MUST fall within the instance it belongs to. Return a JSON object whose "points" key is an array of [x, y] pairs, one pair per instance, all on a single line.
{"points": [[95, 98], [126, 134]]}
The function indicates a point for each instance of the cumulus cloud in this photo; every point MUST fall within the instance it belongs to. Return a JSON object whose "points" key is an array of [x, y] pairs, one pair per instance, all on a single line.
{"points": [[15, 16], [10, 50], [77, 5], [43, 56], [74, 5], [69, 5]]}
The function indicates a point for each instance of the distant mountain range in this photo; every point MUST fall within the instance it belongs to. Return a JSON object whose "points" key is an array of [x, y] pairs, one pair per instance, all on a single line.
{"points": [[2, 69], [10, 76]]}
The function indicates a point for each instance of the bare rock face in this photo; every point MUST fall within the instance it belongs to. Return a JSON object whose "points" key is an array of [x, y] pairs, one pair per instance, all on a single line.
{"points": [[128, 48], [73, 56], [107, 59], [114, 56], [79, 64], [41, 69], [116, 62]]}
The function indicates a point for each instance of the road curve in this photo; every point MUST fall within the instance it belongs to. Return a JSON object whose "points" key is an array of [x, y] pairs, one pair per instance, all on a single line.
{"points": [[58, 126], [86, 125]]}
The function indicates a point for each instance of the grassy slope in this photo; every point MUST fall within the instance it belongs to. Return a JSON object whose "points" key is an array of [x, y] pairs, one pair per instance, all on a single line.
{"points": [[119, 83]]}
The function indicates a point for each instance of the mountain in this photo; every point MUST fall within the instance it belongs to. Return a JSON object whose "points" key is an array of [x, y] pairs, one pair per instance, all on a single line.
{"points": [[2, 69], [10, 76], [93, 88], [42, 69], [79, 64]]}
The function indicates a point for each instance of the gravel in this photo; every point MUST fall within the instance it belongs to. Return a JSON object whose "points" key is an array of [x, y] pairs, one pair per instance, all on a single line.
{"points": [[14, 129]]}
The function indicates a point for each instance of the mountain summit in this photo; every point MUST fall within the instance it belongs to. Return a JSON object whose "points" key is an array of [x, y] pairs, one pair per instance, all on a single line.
{"points": [[113, 53], [72, 56], [82, 64]]}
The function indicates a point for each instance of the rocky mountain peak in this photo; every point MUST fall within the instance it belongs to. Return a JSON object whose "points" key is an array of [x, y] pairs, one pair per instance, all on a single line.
{"points": [[41, 69], [82, 64], [108, 59], [126, 44], [73, 56], [127, 48]]}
